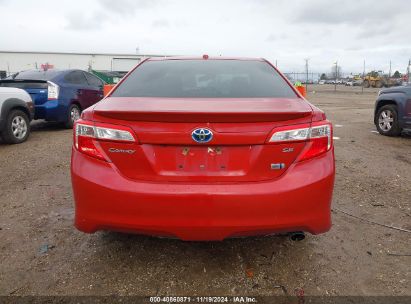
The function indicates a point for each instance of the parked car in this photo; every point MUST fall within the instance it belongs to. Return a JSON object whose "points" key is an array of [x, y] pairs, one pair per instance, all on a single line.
{"points": [[307, 82], [353, 83], [393, 110], [357, 83], [58, 95], [16, 112], [203, 149], [321, 82]]}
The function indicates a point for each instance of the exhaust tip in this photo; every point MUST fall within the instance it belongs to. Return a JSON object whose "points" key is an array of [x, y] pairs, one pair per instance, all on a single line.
{"points": [[297, 236]]}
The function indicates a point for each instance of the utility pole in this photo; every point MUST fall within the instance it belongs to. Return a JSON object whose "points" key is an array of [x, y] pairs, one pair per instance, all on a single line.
{"points": [[389, 74], [336, 76], [276, 63], [363, 77], [306, 74], [409, 64]]}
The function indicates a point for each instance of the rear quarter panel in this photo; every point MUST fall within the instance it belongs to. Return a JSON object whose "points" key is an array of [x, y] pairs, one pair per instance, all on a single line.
{"points": [[66, 98]]}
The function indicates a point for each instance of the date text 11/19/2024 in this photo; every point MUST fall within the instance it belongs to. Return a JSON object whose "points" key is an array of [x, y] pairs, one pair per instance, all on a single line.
{"points": [[204, 299]]}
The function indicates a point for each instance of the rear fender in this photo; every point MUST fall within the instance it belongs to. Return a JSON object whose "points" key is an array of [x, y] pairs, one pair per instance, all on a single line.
{"points": [[397, 99], [69, 97], [66, 99]]}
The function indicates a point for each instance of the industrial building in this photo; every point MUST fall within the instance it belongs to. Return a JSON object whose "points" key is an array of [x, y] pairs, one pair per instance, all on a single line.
{"points": [[12, 61]]}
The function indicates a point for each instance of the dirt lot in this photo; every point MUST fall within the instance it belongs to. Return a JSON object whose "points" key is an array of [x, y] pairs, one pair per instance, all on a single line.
{"points": [[42, 254]]}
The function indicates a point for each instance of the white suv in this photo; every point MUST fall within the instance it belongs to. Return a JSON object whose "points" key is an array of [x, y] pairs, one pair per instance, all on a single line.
{"points": [[16, 112]]}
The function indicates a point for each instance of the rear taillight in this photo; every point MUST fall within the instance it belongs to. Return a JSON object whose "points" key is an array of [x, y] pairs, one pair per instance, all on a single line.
{"points": [[318, 137], [88, 134], [52, 91]]}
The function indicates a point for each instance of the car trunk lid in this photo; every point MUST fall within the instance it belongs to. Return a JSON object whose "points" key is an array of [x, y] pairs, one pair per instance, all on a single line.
{"points": [[203, 109], [238, 152]]}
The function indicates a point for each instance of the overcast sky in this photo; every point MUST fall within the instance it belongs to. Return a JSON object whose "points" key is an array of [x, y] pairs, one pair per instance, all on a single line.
{"points": [[287, 31]]}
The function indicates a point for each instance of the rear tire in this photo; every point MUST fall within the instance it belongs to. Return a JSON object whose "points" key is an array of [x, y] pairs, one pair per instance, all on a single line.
{"points": [[387, 121], [17, 128], [73, 114], [366, 84], [378, 84]]}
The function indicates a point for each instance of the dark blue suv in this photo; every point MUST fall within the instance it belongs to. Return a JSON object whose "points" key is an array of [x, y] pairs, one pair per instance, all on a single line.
{"points": [[393, 110], [58, 95]]}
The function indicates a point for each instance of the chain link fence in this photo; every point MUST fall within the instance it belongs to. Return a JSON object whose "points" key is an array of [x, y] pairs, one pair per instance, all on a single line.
{"points": [[310, 77]]}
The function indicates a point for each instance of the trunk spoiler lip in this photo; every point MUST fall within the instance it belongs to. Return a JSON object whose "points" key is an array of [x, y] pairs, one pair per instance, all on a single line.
{"points": [[182, 105], [164, 110], [200, 118]]}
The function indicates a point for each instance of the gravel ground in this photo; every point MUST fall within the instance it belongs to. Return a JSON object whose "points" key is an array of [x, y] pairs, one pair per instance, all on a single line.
{"points": [[42, 254]]}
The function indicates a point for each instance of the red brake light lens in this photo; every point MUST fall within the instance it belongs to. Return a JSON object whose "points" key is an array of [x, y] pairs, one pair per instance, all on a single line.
{"points": [[89, 146], [88, 134], [318, 137]]}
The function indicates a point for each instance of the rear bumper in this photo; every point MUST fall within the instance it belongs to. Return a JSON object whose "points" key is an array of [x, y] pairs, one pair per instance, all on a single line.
{"points": [[298, 201], [52, 110]]}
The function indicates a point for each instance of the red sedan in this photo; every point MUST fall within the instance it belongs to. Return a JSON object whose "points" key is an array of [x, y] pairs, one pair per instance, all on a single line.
{"points": [[203, 149]]}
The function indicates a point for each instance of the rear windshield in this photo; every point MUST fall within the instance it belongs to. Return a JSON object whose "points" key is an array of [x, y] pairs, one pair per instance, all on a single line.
{"points": [[36, 75], [204, 79]]}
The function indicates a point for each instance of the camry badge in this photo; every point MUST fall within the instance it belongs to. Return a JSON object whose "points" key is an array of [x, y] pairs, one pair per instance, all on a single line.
{"points": [[114, 150], [202, 135]]}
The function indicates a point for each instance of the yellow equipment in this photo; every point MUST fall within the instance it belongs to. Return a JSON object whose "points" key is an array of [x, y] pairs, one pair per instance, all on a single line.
{"points": [[378, 81]]}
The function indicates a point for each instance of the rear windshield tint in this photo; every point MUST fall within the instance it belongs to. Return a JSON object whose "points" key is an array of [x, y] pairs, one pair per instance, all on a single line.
{"points": [[204, 79], [36, 75]]}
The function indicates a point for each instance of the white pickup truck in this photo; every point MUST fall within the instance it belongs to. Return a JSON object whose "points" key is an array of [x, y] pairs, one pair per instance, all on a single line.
{"points": [[16, 112]]}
